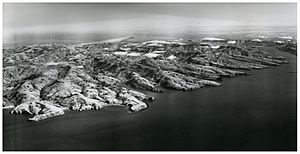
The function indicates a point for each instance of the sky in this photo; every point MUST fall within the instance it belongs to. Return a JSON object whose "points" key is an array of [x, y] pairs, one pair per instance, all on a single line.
{"points": [[42, 18]]}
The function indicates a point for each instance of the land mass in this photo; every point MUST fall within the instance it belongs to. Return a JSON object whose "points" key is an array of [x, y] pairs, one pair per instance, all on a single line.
{"points": [[46, 79]]}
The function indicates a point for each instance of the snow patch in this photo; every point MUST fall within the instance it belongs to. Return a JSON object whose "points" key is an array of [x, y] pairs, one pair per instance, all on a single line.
{"points": [[152, 55], [134, 54], [262, 36], [286, 37], [257, 40], [116, 40], [55, 63], [158, 52], [280, 42], [154, 45], [212, 39], [231, 42], [119, 53], [215, 46], [156, 42], [125, 49], [172, 57]]}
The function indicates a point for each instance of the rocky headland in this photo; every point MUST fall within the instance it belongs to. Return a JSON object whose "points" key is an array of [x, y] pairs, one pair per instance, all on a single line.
{"points": [[44, 80]]}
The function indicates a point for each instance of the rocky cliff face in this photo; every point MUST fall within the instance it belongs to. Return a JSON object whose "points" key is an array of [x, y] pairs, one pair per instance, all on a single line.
{"points": [[44, 80]]}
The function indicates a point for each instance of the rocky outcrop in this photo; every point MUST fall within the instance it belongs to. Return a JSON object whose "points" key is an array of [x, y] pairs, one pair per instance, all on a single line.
{"points": [[41, 110], [182, 82], [143, 83], [79, 102], [130, 100]]}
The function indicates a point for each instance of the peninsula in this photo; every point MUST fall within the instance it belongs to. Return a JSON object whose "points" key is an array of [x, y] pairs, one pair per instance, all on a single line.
{"points": [[46, 79]]}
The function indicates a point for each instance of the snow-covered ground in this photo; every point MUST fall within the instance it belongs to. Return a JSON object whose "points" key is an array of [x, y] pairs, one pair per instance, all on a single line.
{"points": [[257, 40], [286, 37], [152, 55], [115, 40], [262, 36], [231, 42], [154, 45], [172, 57], [215, 46], [156, 42], [158, 52], [134, 54], [120, 53], [55, 63], [280, 42], [212, 39]]}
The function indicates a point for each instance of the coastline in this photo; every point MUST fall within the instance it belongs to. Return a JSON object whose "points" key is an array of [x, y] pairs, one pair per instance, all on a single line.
{"points": [[94, 75], [243, 110]]}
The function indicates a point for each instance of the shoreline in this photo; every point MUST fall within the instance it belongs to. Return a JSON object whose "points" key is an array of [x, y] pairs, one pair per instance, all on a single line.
{"points": [[97, 75]]}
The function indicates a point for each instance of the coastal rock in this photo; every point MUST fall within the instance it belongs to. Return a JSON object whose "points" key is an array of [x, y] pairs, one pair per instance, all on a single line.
{"points": [[40, 110], [143, 83], [59, 89], [79, 102], [109, 96], [43, 80], [129, 100], [178, 81], [46, 111]]}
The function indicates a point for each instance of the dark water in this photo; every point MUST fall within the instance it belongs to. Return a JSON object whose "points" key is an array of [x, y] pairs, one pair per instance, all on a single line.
{"points": [[256, 112]]}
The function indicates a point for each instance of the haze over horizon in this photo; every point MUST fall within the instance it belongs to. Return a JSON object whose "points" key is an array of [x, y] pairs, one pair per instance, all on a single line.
{"points": [[127, 18]]}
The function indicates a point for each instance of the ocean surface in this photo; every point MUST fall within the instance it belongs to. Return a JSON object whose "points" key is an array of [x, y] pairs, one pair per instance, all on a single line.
{"points": [[255, 112]]}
